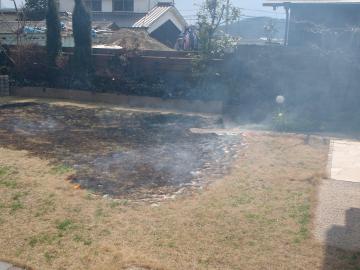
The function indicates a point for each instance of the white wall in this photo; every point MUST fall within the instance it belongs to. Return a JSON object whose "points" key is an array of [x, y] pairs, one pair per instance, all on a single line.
{"points": [[143, 6], [66, 5], [106, 5], [140, 6]]}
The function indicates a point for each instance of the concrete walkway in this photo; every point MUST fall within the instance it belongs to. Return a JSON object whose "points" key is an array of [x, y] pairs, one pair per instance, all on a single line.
{"points": [[345, 161], [337, 221], [8, 266]]}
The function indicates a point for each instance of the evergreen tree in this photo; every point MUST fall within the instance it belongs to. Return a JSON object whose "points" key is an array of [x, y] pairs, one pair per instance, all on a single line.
{"points": [[53, 33], [82, 59], [35, 10]]}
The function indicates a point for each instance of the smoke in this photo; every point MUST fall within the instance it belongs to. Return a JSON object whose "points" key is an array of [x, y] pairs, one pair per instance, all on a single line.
{"points": [[34, 127], [320, 86], [122, 153]]}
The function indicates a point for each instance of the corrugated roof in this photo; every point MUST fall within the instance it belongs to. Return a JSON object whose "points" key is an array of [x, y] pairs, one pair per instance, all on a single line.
{"points": [[153, 15], [282, 2]]}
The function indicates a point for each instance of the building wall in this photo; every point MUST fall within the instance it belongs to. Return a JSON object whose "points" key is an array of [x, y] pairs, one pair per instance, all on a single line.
{"points": [[66, 5], [106, 5], [140, 6]]}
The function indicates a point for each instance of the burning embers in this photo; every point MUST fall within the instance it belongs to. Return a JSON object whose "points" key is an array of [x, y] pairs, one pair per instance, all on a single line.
{"points": [[121, 153]]}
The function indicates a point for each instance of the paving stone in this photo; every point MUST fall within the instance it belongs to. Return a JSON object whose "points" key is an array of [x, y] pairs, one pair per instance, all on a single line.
{"points": [[5, 266], [345, 160]]}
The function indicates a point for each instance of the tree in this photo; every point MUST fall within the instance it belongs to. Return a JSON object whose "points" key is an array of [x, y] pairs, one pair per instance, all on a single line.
{"points": [[35, 10], [53, 33], [208, 78], [270, 31], [82, 59], [212, 14]]}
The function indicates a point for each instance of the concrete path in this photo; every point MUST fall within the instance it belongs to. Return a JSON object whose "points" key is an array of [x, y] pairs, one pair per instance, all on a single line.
{"points": [[8, 266], [337, 220], [345, 161]]}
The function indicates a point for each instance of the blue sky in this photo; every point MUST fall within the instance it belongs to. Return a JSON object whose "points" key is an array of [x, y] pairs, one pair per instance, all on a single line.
{"points": [[188, 8], [250, 8]]}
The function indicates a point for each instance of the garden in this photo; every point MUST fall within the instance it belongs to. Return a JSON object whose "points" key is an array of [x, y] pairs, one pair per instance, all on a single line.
{"points": [[89, 186]]}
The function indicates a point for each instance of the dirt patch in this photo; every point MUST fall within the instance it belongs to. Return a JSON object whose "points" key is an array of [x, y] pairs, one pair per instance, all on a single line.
{"points": [[121, 153], [133, 39]]}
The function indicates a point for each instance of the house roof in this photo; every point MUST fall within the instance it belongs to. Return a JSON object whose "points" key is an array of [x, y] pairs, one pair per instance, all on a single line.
{"points": [[152, 16], [290, 2], [156, 13]]}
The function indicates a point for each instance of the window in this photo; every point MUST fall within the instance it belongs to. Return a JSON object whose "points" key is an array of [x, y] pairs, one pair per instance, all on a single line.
{"points": [[123, 5], [93, 5]]}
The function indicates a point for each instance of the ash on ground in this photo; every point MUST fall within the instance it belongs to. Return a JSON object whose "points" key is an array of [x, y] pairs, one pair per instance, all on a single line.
{"points": [[124, 154]]}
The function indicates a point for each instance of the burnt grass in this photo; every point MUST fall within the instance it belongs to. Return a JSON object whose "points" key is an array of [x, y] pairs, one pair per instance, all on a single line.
{"points": [[126, 154]]}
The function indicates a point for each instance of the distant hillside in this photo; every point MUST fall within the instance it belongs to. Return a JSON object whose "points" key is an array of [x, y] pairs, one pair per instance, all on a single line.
{"points": [[253, 28]]}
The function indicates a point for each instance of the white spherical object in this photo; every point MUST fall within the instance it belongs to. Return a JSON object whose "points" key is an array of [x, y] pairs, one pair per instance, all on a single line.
{"points": [[280, 99]]}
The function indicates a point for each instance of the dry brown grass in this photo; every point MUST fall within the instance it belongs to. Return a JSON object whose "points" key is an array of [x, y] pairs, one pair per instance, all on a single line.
{"points": [[258, 217]]}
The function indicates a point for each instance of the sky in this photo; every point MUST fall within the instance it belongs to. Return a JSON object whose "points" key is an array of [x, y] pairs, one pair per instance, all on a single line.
{"points": [[249, 8], [188, 8]]}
